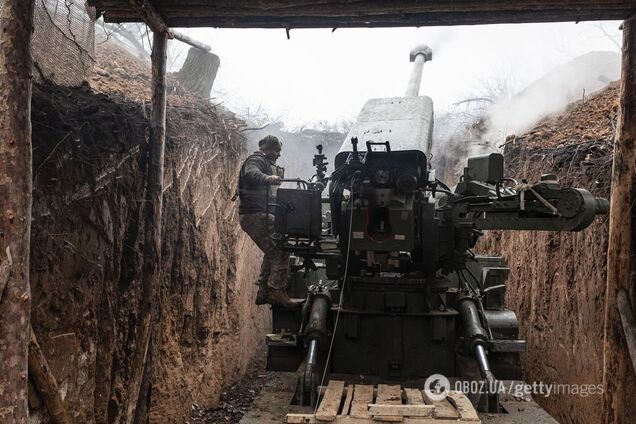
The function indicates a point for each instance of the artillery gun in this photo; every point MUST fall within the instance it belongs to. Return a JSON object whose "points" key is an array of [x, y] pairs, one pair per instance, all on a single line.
{"points": [[381, 258]]}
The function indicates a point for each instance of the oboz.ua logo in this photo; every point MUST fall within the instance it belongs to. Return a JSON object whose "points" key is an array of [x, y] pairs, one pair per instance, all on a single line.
{"points": [[437, 387]]}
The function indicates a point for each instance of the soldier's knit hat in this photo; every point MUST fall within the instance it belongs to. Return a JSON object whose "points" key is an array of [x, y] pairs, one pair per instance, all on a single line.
{"points": [[270, 142]]}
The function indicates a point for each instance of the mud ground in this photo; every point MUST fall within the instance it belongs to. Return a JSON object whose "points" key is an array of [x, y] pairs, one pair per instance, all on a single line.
{"points": [[235, 399]]}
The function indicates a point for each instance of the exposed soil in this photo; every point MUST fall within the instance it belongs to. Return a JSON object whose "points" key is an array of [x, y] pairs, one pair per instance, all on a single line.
{"points": [[86, 242], [557, 280]]}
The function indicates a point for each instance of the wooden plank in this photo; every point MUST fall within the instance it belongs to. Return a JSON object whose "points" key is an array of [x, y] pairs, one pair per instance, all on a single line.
{"points": [[388, 418], [332, 14], [299, 418], [346, 406], [362, 397], [413, 396], [401, 410], [389, 395], [330, 403], [443, 408], [429, 19], [345, 391], [344, 9], [323, 389], [464, 407], [310, 419]]}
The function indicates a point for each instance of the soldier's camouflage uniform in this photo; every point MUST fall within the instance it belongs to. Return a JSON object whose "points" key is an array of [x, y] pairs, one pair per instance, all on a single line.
{"points": [[274, 267], [257, 219]]}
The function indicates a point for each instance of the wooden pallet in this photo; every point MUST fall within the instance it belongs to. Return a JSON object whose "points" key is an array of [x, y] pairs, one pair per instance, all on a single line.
{"points": [[360, 404]]}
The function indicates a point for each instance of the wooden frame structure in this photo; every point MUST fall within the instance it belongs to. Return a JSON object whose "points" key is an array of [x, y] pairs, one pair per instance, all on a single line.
{"points": [[366, 404], [15, 151], [364, 13]]}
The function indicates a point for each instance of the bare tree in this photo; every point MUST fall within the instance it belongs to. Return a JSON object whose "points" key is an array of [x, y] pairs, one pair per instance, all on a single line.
{"points": [[613, 38], [257, 116], [176, 51], [487, 92], [134, 35]]}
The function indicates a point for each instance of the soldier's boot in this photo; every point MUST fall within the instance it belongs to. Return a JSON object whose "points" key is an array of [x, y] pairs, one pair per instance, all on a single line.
{"points": [[262, 295], [278, 297]]}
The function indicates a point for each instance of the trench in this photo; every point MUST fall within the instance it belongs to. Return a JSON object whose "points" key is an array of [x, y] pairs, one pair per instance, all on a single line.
{"points": [[87, 235], [557, 280]]}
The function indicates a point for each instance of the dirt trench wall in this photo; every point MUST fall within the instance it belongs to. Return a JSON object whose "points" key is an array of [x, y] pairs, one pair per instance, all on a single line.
{"points": [[86, 261], [557, 280]]}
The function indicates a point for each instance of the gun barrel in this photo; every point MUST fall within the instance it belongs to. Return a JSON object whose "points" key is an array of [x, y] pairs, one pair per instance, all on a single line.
{"points": [[413, 87], [419, 55]]}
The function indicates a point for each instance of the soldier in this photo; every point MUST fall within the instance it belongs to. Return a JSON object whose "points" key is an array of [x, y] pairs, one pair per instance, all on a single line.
{"points": [[258, 179]]}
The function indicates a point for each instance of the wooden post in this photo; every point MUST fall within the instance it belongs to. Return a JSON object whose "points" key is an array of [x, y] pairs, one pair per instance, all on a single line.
{"points": [[16, 25], [619, 261], [141, 381]]}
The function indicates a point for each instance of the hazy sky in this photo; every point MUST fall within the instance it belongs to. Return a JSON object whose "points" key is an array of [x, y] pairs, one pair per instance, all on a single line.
{"points": [[323, 75]]}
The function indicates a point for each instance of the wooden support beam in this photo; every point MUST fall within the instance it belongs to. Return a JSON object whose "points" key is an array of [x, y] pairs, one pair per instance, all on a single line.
{"points": [[16, 25], [333, 13], [152, 165], [371, 13], [150, 16], [45, 383], [621, 233], [194, 43], [153, 19]]}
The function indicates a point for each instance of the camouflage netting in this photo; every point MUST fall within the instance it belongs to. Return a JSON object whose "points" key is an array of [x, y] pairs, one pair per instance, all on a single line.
{"points": [[63, 41]]}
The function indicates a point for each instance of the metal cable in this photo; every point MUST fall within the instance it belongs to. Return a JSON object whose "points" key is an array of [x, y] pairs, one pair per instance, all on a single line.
{"points": [[344, 281]]}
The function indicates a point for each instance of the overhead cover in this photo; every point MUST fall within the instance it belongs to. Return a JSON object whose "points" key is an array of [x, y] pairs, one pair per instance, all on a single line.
{"points": [[357, 13]]}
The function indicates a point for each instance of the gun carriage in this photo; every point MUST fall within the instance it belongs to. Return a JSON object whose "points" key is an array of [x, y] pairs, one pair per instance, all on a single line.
{"points": [[382, 257]]}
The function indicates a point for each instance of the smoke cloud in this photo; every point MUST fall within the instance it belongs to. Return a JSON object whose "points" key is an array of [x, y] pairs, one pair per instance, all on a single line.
{"points": [[481, 122]]}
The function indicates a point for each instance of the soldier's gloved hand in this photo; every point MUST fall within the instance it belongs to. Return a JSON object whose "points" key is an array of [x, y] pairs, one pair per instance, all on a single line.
{"points": [[273, 180]]}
